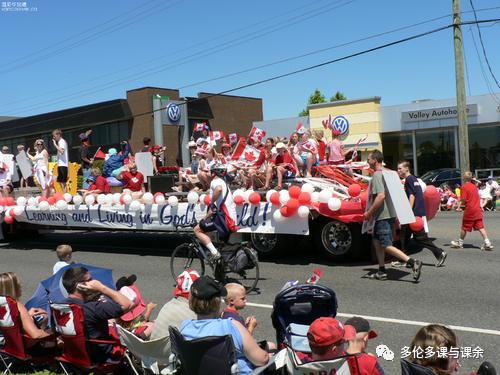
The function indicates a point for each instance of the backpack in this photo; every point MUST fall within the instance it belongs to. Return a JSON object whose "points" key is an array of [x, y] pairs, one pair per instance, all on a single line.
{"points": [[236, 257]]}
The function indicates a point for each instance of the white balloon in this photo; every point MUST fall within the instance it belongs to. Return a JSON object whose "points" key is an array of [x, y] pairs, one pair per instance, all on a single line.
{"points": [[21, 201], [89, 200], [315, 197], [308, 188], [192, 197], [303, 211], [116, 198], [172, 200], [77, 200], [32, 201], [101, 198], [325, 195], [44, 205], [238, 192], [284, 197], [1, 209], [67, 197], [246, 195], [109, 198], [37, 199], [148, 198], [277, 216], [127, 198], [18, 210], [334, 204], [160, 199], [61, 204], [423, 185], [269, 193], [7, 213], [135, 206]]}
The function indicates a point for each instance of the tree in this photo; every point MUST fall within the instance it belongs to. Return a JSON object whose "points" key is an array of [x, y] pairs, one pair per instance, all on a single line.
{"points": [[338, 96], [315, 98]]}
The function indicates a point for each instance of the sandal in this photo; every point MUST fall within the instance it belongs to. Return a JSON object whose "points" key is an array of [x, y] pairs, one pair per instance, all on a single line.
{"points": [[263, 188], [279, 187]]}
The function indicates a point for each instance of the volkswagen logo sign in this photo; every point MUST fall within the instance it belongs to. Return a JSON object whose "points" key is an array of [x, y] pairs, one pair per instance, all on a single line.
{"points": [[173, 112], [341, 124]]}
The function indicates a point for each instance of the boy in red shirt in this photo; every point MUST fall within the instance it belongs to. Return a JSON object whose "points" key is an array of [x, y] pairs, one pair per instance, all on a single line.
{"points": [[473, 215], [285, 167]]}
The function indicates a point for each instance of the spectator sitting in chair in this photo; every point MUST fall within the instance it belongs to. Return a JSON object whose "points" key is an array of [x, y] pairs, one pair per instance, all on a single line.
{"points": [[98, 184], [206, 301], [6, 186], [327, 337], [80, 286], [135, 181]]}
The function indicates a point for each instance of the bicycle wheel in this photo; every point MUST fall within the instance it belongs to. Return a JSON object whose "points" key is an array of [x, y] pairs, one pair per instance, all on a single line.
{"points": [[186, 257], [249, 277]]}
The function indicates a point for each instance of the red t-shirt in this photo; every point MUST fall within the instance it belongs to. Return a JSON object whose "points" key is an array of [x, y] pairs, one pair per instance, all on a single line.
{"points": [[134, 183], [287, 160], [469, 193], [321, 150], [102, 184]]}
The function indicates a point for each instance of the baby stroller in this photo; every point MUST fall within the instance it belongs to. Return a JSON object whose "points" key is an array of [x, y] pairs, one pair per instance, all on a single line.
{"points": [[295, 308]]}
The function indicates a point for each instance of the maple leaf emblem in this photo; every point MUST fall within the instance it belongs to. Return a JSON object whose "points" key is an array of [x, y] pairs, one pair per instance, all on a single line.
{"points": [[250, 156], [3, 311], [62, 318]]}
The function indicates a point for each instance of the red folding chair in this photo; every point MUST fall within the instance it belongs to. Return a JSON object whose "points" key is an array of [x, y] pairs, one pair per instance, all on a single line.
{"points": [[70, 325], [15, 351]]}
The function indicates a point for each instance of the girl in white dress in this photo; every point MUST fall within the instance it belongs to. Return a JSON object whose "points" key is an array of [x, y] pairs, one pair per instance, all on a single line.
{"points": [[42, 173]]}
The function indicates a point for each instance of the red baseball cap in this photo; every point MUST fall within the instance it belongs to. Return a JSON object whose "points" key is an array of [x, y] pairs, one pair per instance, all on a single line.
{"points": [[226, 145], [336, 132], [326, 331]]}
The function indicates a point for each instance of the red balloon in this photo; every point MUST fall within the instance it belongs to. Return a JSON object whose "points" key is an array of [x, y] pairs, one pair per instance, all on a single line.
{"points": [[430, 192], [51, 201], [11, 213], [8, 220], [293, 205], [10, 201], [418, 224], [286, 212], [254, 198], [294, 191], [57, 196], [364, 198], [239, 200], [354, 190], [304, 198], [3, 202], [275, 199], [157, 195], [121, 199], [334, 195], [42, 199], [207, 200]]}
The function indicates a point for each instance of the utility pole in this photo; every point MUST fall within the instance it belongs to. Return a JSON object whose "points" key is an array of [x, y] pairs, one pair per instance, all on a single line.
{"points": [[463, 134]]}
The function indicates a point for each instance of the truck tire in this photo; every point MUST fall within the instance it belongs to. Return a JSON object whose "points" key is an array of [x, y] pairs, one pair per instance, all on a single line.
{"points": [[269, 245], [339, 241]]}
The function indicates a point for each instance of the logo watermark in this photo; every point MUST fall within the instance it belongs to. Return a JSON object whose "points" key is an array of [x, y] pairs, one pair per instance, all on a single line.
{"points": [[443, 352], [17, 6]]}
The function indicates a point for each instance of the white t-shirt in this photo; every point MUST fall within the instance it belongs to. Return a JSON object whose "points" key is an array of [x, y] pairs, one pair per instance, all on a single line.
{"points": [[493, 184], [231, 207], [62, 159], [7, 176]]}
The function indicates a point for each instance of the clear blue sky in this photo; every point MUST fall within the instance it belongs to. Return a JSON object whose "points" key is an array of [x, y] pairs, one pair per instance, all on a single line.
{"points": [[72, 53]]}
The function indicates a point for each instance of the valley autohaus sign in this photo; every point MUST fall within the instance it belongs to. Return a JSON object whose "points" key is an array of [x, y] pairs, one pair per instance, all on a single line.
{"points": [[436, 113]]}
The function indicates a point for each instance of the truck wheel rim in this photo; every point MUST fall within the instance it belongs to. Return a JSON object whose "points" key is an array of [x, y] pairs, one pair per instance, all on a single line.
{"points": [[336, 237]]}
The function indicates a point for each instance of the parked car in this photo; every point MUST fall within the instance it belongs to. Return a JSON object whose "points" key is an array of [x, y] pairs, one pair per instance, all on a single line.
{"points": [[437, 177]]}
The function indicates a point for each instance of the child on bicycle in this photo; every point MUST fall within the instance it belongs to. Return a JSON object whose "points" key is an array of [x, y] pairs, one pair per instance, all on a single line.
{"points": [[221, 199]]}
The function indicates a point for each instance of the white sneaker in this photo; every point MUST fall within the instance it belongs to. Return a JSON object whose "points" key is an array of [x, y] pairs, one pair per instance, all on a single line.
{"points": [[487, 247], [457, 244], [213, 257]]}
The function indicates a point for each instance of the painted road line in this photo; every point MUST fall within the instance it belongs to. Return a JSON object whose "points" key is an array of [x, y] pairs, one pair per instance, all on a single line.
{"points": [[400, 321]]}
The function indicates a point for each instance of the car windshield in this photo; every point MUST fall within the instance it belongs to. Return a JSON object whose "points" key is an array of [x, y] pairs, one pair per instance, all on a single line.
{"points": [[429, 175]]}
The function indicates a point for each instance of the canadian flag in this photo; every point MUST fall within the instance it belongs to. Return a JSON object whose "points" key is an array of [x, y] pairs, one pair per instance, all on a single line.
{"points": [[256, 132], [245, 154], [214, 136], [299, 127], [232, 138], [5, 313], [308, 145], [199, 126], [225, 159], [101, 155], [315, 277], [355, 153], [327, 123]]}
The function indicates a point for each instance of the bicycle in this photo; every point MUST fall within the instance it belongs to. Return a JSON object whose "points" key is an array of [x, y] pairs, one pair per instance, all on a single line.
{"points": [[192, 256]]}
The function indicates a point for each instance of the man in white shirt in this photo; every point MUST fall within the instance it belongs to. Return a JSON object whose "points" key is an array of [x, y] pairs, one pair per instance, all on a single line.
{"points": [[6, 186], [62, 159]]}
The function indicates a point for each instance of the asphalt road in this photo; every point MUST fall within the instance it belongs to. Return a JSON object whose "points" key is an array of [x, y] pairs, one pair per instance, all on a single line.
{"points": [[464, 293]]}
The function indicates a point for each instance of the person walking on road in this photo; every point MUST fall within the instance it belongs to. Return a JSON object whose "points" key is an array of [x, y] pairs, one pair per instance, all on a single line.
{"points": [[416, 197], [383, 212]]}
